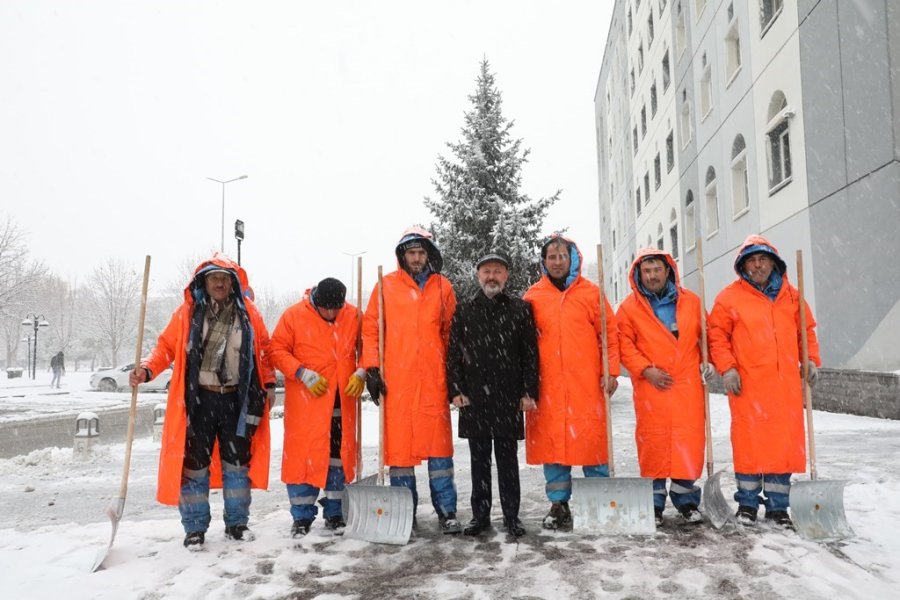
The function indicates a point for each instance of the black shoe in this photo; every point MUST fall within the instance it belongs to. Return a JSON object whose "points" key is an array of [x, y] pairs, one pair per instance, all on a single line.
{"points": [[300, 528], [559, 518], [450, 525], [477, 526], [657, 514], [194, 539], [514, 527], [240, 533], [781, 518], [746, 515], [690, 513], [336, 524]]}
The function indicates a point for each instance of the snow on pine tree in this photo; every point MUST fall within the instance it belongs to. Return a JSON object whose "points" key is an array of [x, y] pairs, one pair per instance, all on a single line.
{"points": [[479, 207]]}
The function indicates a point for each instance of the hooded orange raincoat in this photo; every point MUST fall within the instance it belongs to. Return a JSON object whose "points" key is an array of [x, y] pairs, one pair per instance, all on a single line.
{"points": [[569, 425], [172, 347], [303, 338], [670, 431], [417, 331], [761, 339]]}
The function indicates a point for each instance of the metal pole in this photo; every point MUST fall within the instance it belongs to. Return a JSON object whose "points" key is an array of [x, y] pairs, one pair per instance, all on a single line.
{"points": [[222, 249], [239, 251], [34, 360]]}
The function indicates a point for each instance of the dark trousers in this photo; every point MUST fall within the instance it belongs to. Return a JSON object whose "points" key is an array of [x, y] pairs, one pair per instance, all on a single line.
{"points": [[216, 417], [506, 452]]}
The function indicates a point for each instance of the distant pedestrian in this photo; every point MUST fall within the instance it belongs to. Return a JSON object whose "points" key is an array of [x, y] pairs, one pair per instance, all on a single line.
{"points": [[58, 366], [492, 377], [754, 341]]}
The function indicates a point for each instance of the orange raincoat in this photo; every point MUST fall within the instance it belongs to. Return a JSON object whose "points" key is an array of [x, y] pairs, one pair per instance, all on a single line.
{"points": [[670, 431], [303, 338], [417, 331], [761, 339], [569, 425], [172, 347]]}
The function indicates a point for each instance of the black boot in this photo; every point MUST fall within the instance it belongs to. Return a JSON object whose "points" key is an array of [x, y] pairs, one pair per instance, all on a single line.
{"points": [[514, 527], [658, 516], [477, 526], [450, 524], [559, 518], [336, 524], [241, 533], [746, 515], [300, 528], [194, 539], [690, 513], [781, 518]]}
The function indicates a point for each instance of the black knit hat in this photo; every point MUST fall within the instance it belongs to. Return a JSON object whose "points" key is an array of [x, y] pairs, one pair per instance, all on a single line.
{"points": [[329, 293]]}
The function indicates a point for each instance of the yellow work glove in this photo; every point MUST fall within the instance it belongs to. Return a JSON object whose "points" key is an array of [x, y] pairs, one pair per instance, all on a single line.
{"points": [[317, 384], [356, 383]]}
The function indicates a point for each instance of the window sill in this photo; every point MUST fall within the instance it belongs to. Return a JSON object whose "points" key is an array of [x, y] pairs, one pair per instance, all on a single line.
{"points": [[771, 22], [706, 114], [711, 234], [778, 186], [740, 213], [733, 76]]}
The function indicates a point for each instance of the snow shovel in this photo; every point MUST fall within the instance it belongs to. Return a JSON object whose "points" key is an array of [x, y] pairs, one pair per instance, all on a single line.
{"points": [[117, 505], [714, 503], [378, 513], [359, 313], [612, 505], [817, 507]]}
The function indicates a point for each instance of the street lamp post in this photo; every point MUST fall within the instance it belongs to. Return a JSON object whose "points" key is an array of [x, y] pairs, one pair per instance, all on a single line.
{"points": [[34, 320], [27, 338], [222, 249], [353, 255], [239, 236]]}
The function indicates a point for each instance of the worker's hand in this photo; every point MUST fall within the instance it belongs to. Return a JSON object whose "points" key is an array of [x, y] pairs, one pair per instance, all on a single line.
{"points": [[356, 383], [812, 374], [137, 376], [610, 383], [658, 378], [707, 372], [527, 403], [270, 396], [375, 385], [460, 400], [732, 380], [317, 384]]}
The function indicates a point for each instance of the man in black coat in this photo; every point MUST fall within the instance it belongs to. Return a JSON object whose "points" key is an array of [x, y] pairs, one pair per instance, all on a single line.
{"points": [[492, 376]]}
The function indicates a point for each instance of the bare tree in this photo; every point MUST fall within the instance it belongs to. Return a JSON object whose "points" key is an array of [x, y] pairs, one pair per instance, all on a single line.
{"points": [[115, 290], [19, 276]]}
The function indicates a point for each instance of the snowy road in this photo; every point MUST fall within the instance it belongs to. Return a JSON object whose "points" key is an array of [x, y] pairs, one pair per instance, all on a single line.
{"points": [[48, 536]]}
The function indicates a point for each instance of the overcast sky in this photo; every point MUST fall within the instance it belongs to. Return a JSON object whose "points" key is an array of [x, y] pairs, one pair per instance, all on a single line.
{"points": [[113, 114]]}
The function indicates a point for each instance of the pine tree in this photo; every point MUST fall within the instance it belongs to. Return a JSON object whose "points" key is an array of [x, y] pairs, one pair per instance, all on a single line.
{"points": [[479, 208]]}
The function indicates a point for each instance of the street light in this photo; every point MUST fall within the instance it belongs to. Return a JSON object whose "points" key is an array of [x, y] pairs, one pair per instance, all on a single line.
{"points": [[239, 236], [222, 249], [33, 320], [27, 338], [353, 255]]}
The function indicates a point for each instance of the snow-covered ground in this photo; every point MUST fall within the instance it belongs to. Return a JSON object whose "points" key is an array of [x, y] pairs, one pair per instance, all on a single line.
{"points": [[52, 524]]}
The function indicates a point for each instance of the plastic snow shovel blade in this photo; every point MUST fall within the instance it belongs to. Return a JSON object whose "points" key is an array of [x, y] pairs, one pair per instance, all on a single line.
{"points": [[619, 505], [379, 514], [114, 511], [817, 509], [715, 505]]}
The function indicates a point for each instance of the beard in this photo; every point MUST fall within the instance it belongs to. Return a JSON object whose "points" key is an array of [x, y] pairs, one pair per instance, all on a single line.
{"points": [[491, 288]]}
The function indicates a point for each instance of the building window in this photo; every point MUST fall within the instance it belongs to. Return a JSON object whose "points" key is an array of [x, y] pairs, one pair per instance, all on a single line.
{"points": [[686, 126], [641, 57], [657, 172], [768, 12], [740, 182], [634, 139], [653, 99], [632, 81], [699, 5], [660, 239], [670, 151], [666, 72], [705, 90], [650, 27], [673, 233], [680, 38], [614, 238], [630, 24], [690, 224], [778, 146], [712, 203], [732, 52], [637, 199], [643, 121], [647, 188]]}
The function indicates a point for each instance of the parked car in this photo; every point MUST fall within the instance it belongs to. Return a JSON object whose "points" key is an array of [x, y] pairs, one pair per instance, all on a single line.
{"points": [[116, 378]]}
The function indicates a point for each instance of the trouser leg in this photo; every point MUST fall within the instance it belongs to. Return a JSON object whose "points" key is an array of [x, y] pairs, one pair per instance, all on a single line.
{"points": [[234, 452], [684, 492], [193, 501], [480, 456], [334, 489], [595, 470], [659, 493], [443, 488], [777, 491], [405, 477], [506, 451], [749, 487], [558, 480], [303, 501]]}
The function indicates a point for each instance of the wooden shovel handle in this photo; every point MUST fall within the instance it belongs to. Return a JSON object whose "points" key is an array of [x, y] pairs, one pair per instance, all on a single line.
{"points": [[604, 357], [704, 354], [381, 369], [807, 391]]}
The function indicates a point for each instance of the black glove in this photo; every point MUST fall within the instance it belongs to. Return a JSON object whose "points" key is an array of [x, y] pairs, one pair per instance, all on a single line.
{"points": [[251, 429], [375, 384]]}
